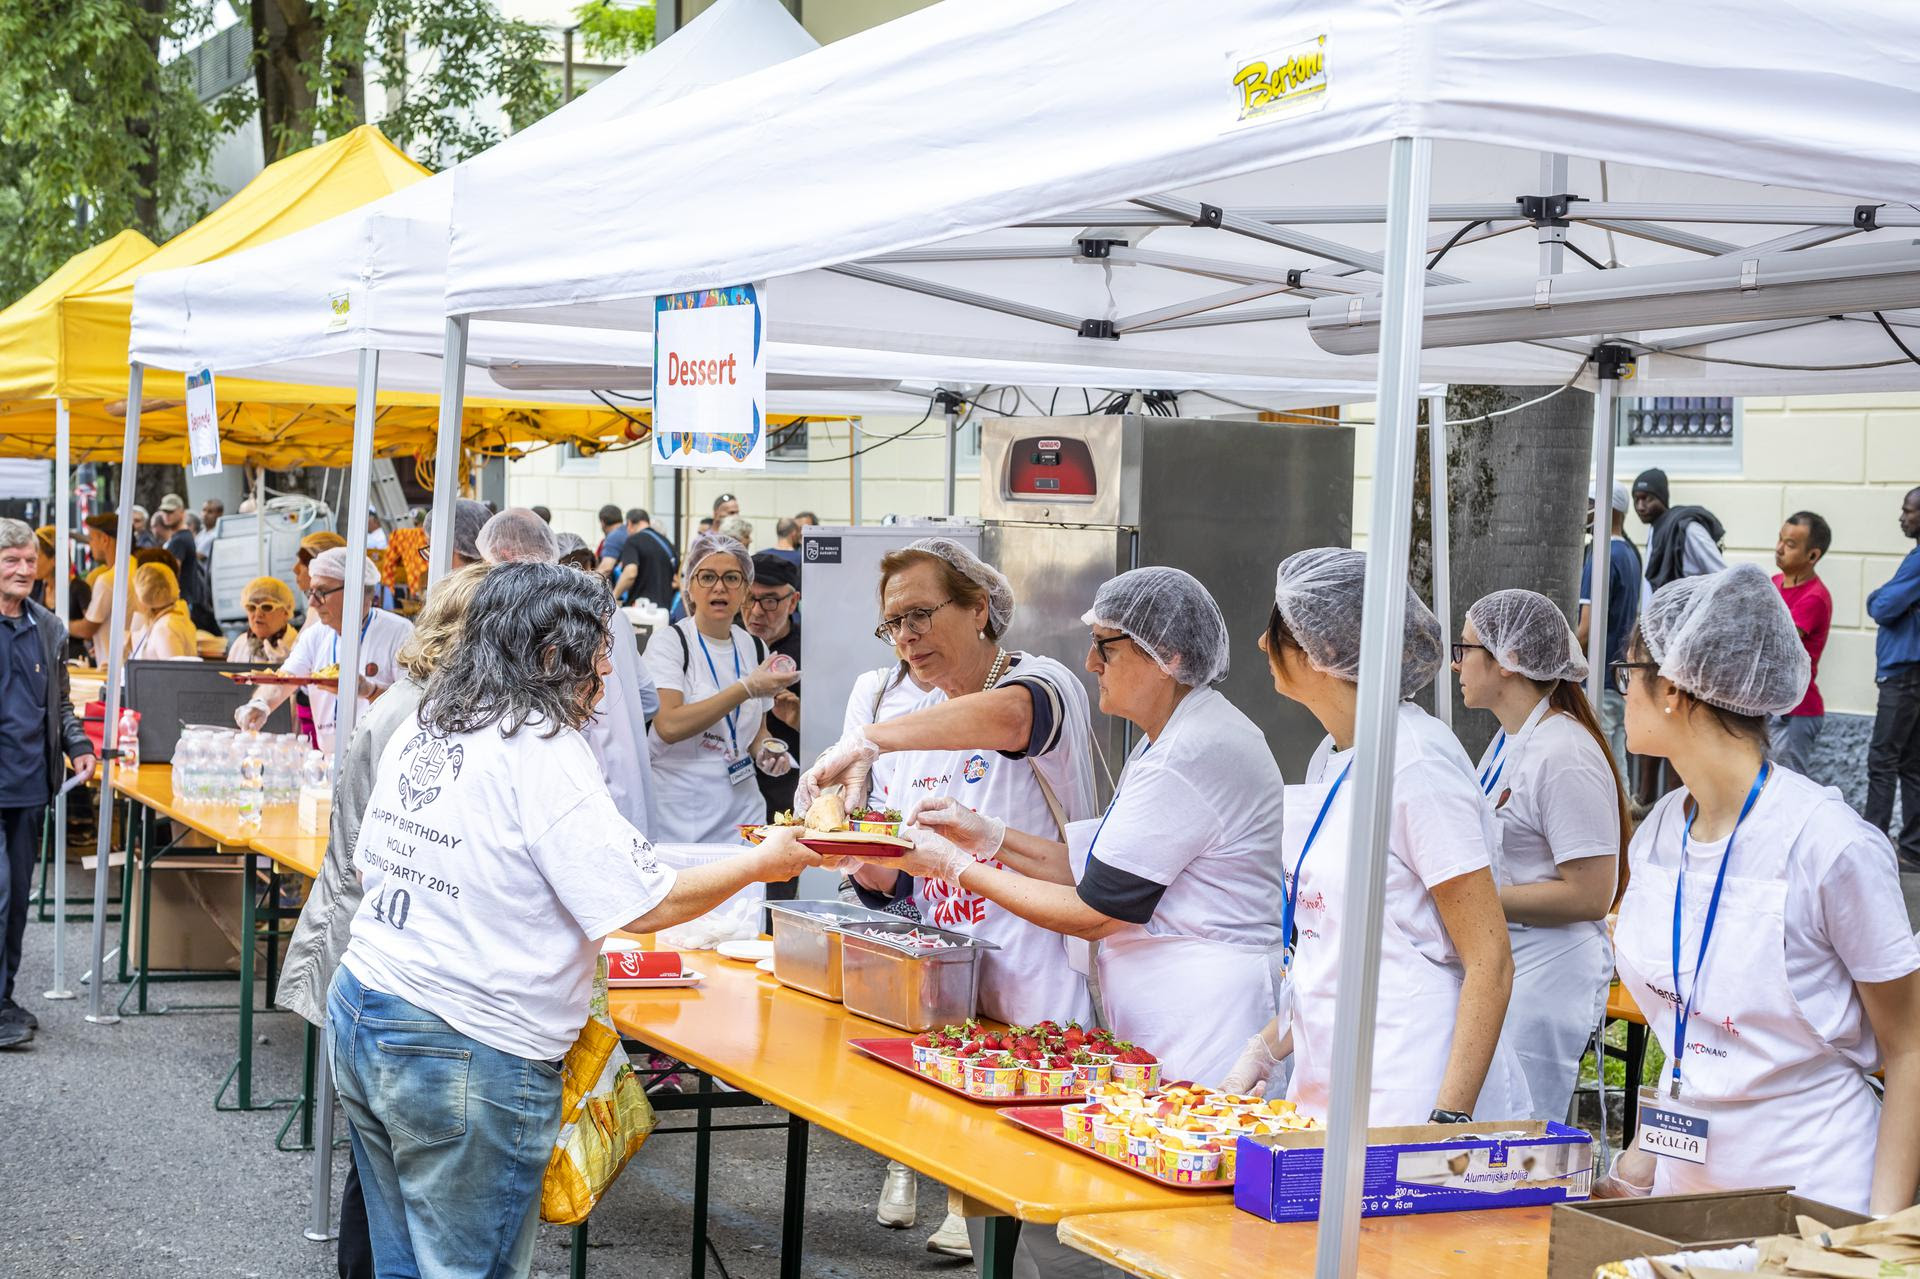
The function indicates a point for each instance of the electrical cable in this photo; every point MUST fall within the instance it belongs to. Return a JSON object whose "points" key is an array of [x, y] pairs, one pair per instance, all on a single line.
{"points": [[848, 457], [1895, 338], [1582, 254], [1457, 235]]}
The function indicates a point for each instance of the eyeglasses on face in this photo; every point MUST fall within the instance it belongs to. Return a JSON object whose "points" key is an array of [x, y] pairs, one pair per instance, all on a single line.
{"points": [[1621, 673], [315, 595], [915, 621], [1099, 644], [268, 606], [768, 603], [1460, 650], [707, 579]]}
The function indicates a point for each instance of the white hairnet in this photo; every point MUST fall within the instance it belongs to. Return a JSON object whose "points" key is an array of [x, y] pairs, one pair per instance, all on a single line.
{"points": [[517, 534], [330, 565], [1320, 593], [706, 544], [469, 517], [1170, 616], [1621, 498], [1728, 639], [1527, 634], [978, 571]]}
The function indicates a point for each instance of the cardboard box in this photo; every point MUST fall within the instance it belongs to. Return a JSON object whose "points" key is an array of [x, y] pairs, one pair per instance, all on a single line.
{"points": [[1420, 1168], [196, 918], [1586, 1236]]}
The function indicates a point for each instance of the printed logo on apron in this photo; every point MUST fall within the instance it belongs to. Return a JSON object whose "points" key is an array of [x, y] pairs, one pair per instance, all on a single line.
{"points": [[951, 907]]}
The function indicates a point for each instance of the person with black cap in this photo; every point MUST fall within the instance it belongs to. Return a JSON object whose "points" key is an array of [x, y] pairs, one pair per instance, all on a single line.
{"points": [[770, 617], [1684, 541]]}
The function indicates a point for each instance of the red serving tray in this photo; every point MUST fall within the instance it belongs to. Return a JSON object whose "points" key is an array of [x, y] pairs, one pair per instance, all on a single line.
{"points": [[1047, 1122], [827, 846], [898, 1053]]}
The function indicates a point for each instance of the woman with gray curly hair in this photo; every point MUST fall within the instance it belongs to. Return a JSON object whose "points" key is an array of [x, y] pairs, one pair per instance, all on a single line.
{"points": [[493, 863]]}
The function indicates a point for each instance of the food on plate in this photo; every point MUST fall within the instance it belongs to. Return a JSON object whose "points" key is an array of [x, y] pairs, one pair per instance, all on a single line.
{"points": [[827, 812], [329, 671], [875, 821]]}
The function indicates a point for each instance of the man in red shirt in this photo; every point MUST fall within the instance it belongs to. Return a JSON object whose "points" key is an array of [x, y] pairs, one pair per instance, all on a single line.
{"points": [[1803, 542]]}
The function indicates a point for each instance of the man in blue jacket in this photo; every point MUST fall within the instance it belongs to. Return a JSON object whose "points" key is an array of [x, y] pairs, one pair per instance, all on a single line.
{"points": [[1895, 752], [39, 733]]}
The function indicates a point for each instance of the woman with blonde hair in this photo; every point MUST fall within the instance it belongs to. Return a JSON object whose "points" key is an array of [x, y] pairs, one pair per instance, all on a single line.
{"points": [[270, 630], [160, 628]]}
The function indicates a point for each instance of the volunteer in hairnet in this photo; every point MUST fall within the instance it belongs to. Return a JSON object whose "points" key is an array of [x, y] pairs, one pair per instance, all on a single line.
{"points": [[1445, 967], [1762, 931], [1562, 814], [1179, 881]]}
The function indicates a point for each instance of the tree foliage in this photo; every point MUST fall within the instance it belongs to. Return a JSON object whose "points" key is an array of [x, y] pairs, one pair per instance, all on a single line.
{"points": [[90, 116], [610, 31]]}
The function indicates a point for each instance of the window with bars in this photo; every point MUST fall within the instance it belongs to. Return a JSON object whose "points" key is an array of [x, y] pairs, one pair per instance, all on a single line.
{"points": [[1678, 419], [788, 443]]}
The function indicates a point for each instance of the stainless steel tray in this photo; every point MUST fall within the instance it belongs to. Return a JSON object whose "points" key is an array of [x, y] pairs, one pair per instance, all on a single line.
{"points": [[806, 949], [908, 988]]}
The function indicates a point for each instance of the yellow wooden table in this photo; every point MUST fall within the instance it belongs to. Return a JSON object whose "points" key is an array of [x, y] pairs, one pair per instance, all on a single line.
{"points": [[790, 1050], [1221, 1242], [278, 840]]}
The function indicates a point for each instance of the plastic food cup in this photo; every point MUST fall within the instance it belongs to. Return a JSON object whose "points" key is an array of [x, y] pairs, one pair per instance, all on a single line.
{"points": [[1110, 1137], [1089, 1074], [1229, 1156], [950, 1069], [1041, 1082], [1076, 1125], [781, 664], [992, 1081], [1145, 1077], [926, 1059], [1141, 1148], [1185, 1167]]}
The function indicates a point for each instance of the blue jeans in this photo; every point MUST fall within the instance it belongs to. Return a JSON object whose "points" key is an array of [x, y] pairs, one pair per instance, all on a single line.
{"points": [[451, 1137]]}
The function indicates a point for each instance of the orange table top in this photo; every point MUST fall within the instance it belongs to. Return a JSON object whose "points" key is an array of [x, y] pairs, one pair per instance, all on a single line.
{"points": [[789, 1049], [1620, 1005], [1220, 1240], [277, 835]]}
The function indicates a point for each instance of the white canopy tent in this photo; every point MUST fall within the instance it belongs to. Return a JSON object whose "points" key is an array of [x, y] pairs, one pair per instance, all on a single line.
{"points": [[1044, 145]]}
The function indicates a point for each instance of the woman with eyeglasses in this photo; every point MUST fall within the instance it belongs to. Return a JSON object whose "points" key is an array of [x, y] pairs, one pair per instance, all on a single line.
{"points": [[318, 648], [1763, 931], [1006, 736], [1180, 880], [1562, 817], [1445, 966], [717, 683], [270, 632]]}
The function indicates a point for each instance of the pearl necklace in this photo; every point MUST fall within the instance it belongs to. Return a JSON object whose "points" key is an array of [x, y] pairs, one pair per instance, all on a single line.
{"points": [[999, 668]]}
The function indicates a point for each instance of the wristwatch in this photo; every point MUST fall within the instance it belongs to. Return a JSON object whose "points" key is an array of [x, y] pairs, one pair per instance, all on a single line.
{"points": [[1449, 1117]]}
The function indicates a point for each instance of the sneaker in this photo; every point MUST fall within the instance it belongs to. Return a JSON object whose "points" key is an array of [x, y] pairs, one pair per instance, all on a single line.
{"points": [[951, 1239], [11, 1011], [14, 1034], [899, 1197]]}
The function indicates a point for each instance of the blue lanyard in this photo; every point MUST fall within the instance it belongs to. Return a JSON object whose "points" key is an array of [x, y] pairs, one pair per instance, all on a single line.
{"points": [[1110, 803], [732, 735], [1683, 1014], [363, 638], [1292, 894], [1488, 783]]}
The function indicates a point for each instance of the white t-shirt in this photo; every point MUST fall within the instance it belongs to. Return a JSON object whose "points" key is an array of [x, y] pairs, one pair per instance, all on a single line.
{"points": [[1845, 918], [1698, 554], [896, 694], [694, 802], [1028, 978], [493, 866], [319, 647], [617, 732], [1198, 811], [1555, 801], [1442, 826]]}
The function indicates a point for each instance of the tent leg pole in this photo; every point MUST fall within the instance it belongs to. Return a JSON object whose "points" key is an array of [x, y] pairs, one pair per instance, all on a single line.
{"points": [[62, 563], [116, 663], [952, 459], [320, 1207], [854, 469], [446, 449], [1605, 389], [1383, 621], [1439, 500]]}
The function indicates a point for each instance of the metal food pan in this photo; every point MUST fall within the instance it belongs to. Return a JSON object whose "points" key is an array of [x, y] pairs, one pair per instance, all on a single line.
{"points": [[908, 988], [806, 949]]}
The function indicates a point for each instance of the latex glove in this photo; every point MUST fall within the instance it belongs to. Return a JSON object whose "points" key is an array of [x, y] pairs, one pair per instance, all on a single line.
{"points": [[250, 715], [973, 833], [773, 761], [1631, 1176], [1249, 1074], [772, 675], [848, 762], [933, 856], [781, 856]]}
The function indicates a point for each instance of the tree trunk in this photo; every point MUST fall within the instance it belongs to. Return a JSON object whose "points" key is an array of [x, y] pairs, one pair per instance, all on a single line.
{"points": [[287, 43], [146, 200], [1517, 492]]}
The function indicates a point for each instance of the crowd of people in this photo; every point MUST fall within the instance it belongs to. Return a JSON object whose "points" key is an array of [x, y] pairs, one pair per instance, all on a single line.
{"points": [[518, 760]]}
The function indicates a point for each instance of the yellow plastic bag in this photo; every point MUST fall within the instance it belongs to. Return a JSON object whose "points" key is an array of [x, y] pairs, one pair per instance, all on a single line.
{"points": [[604, 1117]]}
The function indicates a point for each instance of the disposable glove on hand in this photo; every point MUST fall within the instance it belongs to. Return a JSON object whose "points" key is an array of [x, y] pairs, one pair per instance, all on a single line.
{"points": [[1249, 1074], [774, 763], [978, 835], [934, 856], [250, 715], [847, 763], [772, 675]]}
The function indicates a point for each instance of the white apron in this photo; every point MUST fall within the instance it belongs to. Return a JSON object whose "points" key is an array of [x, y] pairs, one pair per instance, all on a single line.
{"points": [[1194, 1001], [1560, 974], [1418, 999], [1787, 1109]]}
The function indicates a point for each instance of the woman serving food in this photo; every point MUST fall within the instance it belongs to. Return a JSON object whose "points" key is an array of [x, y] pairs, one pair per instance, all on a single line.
{"points": [[1180, 881]]}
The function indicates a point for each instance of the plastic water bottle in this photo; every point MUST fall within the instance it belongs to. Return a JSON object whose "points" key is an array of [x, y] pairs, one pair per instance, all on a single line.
{"points": [[251, 795], [128, 739]]}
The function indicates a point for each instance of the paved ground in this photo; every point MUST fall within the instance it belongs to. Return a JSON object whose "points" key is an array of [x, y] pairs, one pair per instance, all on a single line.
{"points": [[116, 1164]]}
